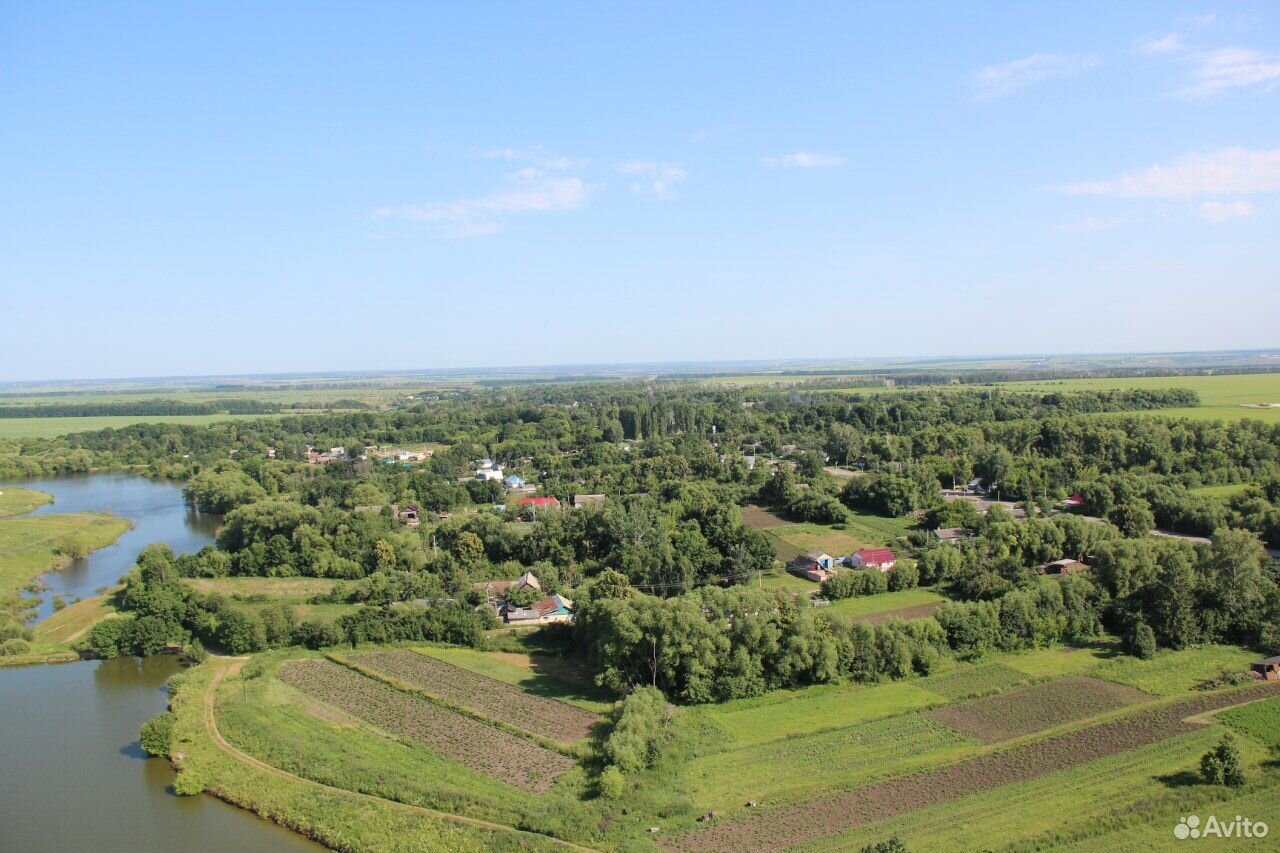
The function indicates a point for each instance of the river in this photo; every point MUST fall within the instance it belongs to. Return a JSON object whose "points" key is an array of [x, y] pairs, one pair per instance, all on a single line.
{"points": [[74, 776]]}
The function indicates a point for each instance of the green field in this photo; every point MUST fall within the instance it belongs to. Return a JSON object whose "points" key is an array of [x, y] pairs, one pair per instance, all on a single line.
{"points": [[1170, 672], [1260, 721], [1220, 491], [52, 427], [1221, 397], [869, 605], [21, 501]]}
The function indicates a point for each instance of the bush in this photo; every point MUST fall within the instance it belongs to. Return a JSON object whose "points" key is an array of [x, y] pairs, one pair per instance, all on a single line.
{"points": [[14, 646], [157, 734], [1221, 765], [611, 783], [1141, 641], [855, 583], [638, 723], [904, 576], [892, 845]]}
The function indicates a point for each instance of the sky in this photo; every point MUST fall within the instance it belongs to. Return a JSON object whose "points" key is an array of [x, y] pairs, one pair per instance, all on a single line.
{"points": [[242, 187]]}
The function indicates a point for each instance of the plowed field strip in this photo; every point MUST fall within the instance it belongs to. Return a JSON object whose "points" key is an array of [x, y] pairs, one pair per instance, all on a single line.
{"points": [[482, 748], [484, 696], [786, 826]]}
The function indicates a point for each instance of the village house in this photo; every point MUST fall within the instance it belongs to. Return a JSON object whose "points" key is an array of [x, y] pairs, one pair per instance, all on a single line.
{"points": [[881, 559], [489, 473], [553, 608], [952, 535], [1076, 501], [539, 503], [411, 515], [584, 501], [1066, 566], [1267, 669], [514, 482], [815, 566]]}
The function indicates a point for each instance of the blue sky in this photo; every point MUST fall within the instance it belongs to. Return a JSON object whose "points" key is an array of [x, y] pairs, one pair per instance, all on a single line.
{"points": [[193, 188]]}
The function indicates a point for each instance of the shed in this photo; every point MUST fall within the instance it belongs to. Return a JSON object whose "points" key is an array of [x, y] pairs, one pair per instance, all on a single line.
{"points": [[1268, 669]]}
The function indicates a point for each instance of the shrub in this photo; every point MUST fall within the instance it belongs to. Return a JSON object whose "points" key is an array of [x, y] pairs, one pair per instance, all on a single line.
{"points": [[14, 646], [611, 783], [1141, 641], [157, 734], [635, 740], [1221, 765]]}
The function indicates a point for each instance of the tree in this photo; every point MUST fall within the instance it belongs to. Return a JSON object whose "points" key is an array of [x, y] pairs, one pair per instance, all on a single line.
{"points": [[157, 734], [1141, 641], [1134, 519], [1221, 765]]}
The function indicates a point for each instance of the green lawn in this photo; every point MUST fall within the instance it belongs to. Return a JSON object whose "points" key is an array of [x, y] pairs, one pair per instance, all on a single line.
{"points": [[1171, 672], [799, 766], [275, 588], [21, 501], [1058, 662], [867, 605], [1221, 491], [1260, 721], [785, 713]]}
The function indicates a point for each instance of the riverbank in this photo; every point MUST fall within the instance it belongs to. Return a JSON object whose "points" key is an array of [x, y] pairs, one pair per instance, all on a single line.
{"points": [[21, 501], [30, 547]]}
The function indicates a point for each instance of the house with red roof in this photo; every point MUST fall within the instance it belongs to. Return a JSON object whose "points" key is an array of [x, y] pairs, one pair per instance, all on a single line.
{"points": [[540, 503], [1074, 502], [881, 559]]}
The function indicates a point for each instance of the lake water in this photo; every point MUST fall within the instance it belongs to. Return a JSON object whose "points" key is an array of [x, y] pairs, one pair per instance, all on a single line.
{"points": [[155, 507], [72, 774]]}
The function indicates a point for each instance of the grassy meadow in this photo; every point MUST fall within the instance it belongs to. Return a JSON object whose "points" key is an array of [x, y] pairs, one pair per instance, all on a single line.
{"points": [[29, 547], [14, 501]]}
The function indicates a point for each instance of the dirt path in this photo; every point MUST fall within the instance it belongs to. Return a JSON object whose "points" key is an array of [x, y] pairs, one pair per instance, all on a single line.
{"points": [[233, 666]]}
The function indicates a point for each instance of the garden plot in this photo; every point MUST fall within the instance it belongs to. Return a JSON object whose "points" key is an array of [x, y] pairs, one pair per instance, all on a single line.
{"points": [[993, 719], [771, 829], [483, 696], [473, 744]]}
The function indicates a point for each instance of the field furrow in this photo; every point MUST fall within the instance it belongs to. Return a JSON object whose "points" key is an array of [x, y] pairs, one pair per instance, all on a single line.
{"points": [[459, 738], [486, 697]]}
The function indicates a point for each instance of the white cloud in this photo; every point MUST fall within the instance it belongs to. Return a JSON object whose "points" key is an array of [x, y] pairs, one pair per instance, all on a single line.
{"points": [[1218, 71], [1231, 171], [1093, 225], [528, 191], [1221, 211], [804, 160], [1171, 43], [656, 178], [998, 81], [529, 155]]}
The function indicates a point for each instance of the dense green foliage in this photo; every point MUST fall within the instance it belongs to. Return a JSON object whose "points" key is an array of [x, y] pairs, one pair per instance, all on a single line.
{"points": [[157, 734]]}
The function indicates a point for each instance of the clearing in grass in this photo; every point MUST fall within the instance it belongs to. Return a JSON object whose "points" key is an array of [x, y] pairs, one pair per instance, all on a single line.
{"points": [[1172, 672], [14, 501]]}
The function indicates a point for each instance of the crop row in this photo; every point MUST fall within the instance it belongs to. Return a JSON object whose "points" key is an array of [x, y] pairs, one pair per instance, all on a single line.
{"points": [[786, 826], [459, 738], [974, 681], [505, 703], [1034, 709]]}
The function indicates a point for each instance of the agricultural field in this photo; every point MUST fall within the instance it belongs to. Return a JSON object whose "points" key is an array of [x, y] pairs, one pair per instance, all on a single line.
{"points": [[1260, 721], [793, 539], [1223, 397], [15, 501], [798, 765], [1011, 715], [538, 674], [56, 426], [838, 812], [1220, 491], [970, 680], [478, 694], [494, 752]]}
